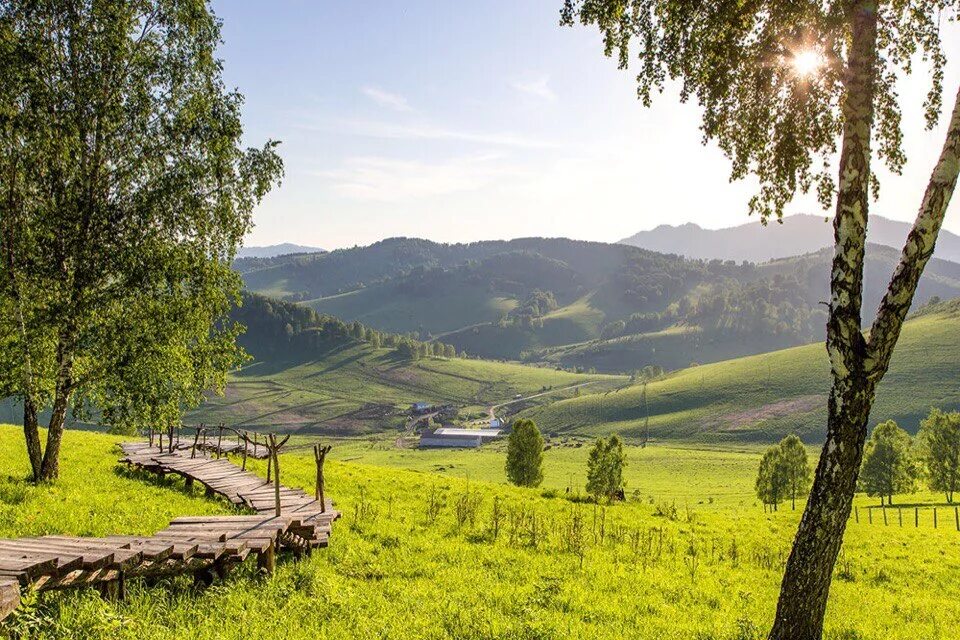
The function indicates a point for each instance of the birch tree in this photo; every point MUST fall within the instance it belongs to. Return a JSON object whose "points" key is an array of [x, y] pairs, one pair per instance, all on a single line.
{"points": [[125, 193], [786, 89]]}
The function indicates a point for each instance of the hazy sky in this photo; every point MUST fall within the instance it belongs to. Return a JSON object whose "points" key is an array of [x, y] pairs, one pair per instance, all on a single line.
{"points": [[460, 121]]}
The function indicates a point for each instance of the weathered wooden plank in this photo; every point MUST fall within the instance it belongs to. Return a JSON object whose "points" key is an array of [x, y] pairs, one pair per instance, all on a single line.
{"points": [[9, 596]]}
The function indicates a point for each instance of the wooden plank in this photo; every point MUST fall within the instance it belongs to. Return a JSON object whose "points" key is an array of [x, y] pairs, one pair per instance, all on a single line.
{"points": [[31, 567], [9, 596]]}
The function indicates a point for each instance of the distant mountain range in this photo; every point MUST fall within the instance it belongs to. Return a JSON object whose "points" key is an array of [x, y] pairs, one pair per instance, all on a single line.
{"points": [[274, 250], [612, 307], [797, 235]]}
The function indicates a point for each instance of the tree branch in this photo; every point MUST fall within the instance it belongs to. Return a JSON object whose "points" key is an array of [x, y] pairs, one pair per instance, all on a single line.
{"points": [[916, 252]]}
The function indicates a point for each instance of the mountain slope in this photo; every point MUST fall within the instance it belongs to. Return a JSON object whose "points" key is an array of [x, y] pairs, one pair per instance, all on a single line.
{"points": [[763, 397], [755, 243], [274, 250]]}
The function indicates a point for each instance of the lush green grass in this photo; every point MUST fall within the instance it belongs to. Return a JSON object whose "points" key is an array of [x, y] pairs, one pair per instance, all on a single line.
{"points": [[394, 571], [360, 389], [760, 398]]}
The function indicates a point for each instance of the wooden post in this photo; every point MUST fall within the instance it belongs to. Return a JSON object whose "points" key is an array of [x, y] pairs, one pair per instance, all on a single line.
{"points": [[884, 509], [856, 514], [193, 449], [934, 517], [916, 516], [900, 515], [956, 517], [276, 472], [320, 456], [219, 439], [170, 438], [245, 440], [269, 457], [869, 515], [267, 560]]}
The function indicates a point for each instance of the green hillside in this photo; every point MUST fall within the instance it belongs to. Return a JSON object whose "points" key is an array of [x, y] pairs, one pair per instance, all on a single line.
{"points": [[577, 304], [356, 388], [418, 555], [760, 398]]}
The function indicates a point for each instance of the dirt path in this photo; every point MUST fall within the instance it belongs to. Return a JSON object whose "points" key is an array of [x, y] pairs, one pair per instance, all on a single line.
{"points": [[492, 409]]}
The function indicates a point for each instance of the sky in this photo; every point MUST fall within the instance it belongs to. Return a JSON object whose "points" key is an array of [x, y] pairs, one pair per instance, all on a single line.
{"points": [[463, 121]]}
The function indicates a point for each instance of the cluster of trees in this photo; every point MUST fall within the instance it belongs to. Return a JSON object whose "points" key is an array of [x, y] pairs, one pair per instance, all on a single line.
{"points": [[530, 312], [894, 463], [276, 328], [784, 473], [605, 464]]}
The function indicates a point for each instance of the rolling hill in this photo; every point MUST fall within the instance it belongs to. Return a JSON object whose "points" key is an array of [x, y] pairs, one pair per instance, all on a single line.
{"points": [[753, 242], [763, 397], [316, 374], [577, 304]]}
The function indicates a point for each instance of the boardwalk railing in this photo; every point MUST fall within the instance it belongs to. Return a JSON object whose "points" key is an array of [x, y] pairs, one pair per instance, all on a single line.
{"points": [[206, 546]]}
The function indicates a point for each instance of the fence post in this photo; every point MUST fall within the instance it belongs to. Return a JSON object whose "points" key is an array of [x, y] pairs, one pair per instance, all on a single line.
{"points": [[900, 515], [956, 517], [916, 516], [219, 439], [244, 465], [934, 517], [856, 513], [884, 509], [320, 455], [869, 515], [276, 469]]}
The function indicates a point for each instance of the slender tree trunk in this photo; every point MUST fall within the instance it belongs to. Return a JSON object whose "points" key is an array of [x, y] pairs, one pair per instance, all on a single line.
{"points": [[31, 431], [857, 365], [50, 469], [806, 581]]}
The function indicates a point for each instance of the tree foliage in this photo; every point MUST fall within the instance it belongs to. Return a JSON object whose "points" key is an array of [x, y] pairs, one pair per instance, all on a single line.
{"points": [[797, 467], [525, 454], [889, 467], [784, 472], [939, 439], [605, 468], [125, 195], [781, 121], [771, 483]]}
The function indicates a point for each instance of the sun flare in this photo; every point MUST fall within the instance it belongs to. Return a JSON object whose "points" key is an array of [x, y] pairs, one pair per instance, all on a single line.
{"points": [[806, 62]]}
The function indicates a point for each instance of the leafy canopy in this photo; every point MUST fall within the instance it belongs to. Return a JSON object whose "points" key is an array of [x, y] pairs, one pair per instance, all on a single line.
{"points": [[768, 76], [525, 454], [605, 467], [940, 445], [125, 195], [888, 464]]}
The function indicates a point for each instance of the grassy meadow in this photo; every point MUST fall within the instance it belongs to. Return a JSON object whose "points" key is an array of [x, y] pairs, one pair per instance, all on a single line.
{"points": [[420, 554]]}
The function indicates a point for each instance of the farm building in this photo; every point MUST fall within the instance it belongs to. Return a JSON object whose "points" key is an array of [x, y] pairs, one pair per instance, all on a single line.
{"points": [[420, 407], [457, 438]]}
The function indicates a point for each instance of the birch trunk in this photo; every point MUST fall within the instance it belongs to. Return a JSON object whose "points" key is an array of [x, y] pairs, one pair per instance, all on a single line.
{"points": [[806, 581], [857, 367]]}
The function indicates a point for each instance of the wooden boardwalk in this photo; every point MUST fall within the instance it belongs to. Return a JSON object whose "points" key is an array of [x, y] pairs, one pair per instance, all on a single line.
{"points": [[206, 546]]}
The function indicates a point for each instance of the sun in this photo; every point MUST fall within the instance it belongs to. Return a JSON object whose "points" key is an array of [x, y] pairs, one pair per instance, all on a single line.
{"points": [[806, 62]]}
